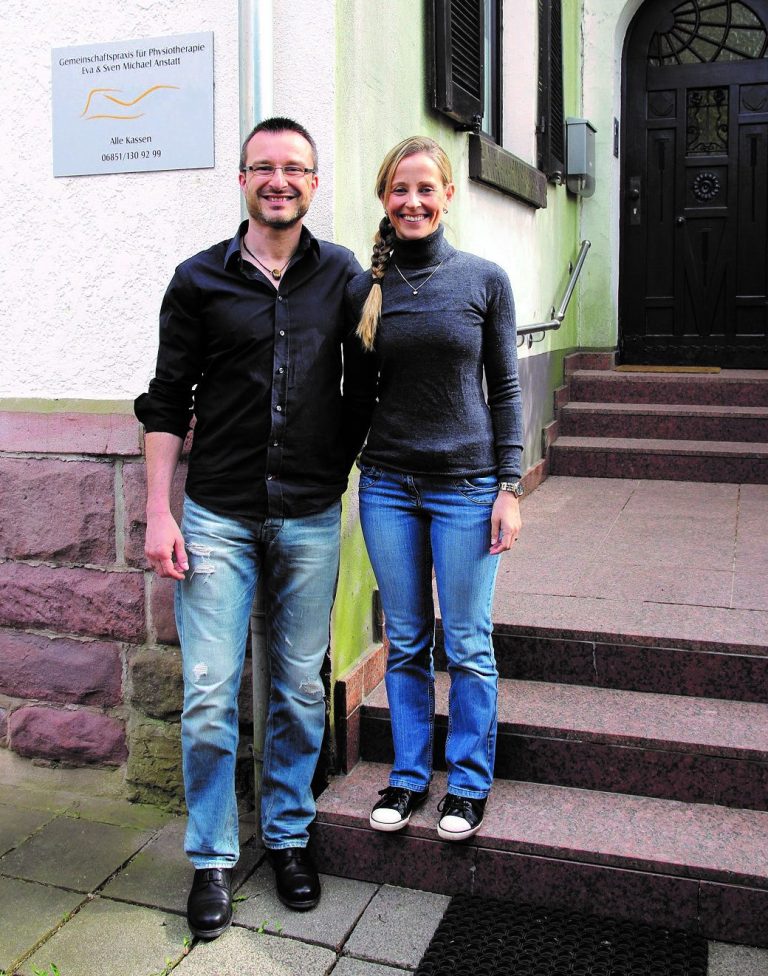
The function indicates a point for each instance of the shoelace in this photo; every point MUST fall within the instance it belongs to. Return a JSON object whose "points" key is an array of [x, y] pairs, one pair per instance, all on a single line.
{"points": [[395, 796], [455, 806]]}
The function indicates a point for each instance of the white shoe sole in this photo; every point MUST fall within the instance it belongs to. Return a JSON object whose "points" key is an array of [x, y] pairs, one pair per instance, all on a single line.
{"points": [[457, 834], [389, 828]]}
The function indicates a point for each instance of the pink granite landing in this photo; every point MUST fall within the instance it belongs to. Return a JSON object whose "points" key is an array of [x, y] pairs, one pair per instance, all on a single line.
{"points": [[642, 562]]}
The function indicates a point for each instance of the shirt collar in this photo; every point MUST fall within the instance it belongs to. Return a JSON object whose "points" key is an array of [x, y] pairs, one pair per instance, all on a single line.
{"points": [[307, 240]]}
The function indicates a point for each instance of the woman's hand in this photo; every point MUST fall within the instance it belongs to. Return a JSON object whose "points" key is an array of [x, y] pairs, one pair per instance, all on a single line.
{"points": [[505, 522]]}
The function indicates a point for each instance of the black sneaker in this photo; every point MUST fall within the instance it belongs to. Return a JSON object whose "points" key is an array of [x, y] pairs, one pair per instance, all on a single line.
{"points": [[394, 809], [461, 817]]}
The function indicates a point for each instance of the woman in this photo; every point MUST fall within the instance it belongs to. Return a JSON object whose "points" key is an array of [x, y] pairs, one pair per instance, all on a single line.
{"points": [[439, 479]]}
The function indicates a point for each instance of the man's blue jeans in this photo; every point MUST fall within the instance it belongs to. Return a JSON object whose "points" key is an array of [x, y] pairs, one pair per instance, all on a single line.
{"points": [[299, 560], [409, 523]]}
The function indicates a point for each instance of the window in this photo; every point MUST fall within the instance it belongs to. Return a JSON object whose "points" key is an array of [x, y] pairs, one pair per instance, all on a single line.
{"points": [[492, 87], [466, 85], [551, 124], [458, 82]]}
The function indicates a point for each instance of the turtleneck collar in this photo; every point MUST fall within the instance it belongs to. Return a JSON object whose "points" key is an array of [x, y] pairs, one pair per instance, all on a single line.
{"points": [[422, 252]]}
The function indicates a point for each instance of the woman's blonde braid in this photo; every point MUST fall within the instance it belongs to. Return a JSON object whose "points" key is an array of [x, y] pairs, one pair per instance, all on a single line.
{"points": [[383, 243]]}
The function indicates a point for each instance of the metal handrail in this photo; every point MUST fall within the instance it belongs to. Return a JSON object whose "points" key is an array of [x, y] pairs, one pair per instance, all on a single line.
{"points": [[528, 331]]}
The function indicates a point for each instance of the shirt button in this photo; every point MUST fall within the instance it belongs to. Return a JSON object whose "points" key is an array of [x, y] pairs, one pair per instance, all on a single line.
{"points": [[278, 408], [282, 332], [279, 298], [281, 370], [275, 443], [270, 477]]}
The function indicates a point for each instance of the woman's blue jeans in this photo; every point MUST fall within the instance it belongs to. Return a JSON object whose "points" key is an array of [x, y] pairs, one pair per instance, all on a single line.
{"points": [[299, 560], [411, 522]]}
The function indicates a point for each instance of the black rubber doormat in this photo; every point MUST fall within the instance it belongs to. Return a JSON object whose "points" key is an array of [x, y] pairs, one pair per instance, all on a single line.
{"points": [[491, 937]]}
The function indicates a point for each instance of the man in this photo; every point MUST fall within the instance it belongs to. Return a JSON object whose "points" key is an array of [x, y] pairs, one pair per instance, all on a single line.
{"points": [[251, 338]]}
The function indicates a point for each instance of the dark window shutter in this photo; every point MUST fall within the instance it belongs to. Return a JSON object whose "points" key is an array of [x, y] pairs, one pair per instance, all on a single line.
{"points": [[458, 75], [551, 126]]}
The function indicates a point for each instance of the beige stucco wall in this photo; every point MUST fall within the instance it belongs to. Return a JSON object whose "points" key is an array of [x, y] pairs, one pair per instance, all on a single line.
{"points": [[87, 258]]}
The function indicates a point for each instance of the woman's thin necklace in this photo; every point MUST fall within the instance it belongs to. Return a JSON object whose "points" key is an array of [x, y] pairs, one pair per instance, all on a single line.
{"points": [[277, 273], [410, 283]]}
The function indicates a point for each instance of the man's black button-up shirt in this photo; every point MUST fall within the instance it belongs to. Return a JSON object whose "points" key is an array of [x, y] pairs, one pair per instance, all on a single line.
{"points": [[261, 371]]}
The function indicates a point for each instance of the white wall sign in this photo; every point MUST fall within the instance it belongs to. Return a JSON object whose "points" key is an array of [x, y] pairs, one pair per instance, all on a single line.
{"points": [[133, 106]]}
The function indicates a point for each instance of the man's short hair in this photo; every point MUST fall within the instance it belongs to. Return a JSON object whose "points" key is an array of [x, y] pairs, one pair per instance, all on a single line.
{"points": [[278, 124]]}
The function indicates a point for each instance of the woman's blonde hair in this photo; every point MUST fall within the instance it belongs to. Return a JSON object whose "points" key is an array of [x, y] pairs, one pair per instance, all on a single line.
{"points": [[384, 240]]}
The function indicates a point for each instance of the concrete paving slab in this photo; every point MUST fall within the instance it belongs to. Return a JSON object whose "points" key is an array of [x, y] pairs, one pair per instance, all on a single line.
{"points": [[29, 911], [397, 926], [357, 967], [240, 952], [17, 824], [49, 780], [160, 875], [119, 812], [73, 853], [733, 960], [29, 799], [112, 939], [342, 903]]}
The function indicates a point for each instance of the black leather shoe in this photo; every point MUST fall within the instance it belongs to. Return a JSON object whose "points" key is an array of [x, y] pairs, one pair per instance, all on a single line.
{"points": [[394, 809], [461, 817], [298, 885], [209, 906]]}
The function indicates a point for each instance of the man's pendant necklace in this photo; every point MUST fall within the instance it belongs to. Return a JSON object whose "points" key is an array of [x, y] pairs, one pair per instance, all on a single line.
{"points": [[410, 283], [277, 273]]}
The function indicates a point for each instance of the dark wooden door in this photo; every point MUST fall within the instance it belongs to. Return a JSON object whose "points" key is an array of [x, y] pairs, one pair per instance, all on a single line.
{"points": [[694, 229]]}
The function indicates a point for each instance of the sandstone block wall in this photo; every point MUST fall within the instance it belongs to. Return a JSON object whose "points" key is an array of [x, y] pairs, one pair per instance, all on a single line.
{"points": [[89, 663]]}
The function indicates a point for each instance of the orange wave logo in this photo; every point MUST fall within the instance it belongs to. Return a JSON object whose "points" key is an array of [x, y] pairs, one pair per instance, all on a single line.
{"points": [[100, 95]]}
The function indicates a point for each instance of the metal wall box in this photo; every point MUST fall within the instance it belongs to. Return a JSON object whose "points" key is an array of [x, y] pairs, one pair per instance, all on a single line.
{"points": [[580, 153]]}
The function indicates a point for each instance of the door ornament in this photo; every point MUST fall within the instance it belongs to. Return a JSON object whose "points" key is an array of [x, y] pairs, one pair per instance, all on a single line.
{"points": [[706, 186]]}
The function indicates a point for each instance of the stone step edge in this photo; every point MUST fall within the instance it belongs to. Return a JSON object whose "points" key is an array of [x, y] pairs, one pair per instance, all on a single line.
{"points": [[671, 820], [666, 409], [375, 705], [727, 377], [553, 632], [656, 446]]}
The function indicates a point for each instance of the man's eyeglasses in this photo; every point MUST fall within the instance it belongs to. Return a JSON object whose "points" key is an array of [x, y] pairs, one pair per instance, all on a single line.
{"points": [[264, 171]]}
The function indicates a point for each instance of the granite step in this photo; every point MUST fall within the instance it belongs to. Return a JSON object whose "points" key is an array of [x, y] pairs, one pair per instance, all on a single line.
{"points": [[693, 749], [665, 421], [734, 387], [598, 658], [656, 458], [700, 867]]}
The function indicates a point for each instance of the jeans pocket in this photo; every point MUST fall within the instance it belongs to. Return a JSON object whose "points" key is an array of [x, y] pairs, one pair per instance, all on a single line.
{"points": [[481, 489], [368, 476]]}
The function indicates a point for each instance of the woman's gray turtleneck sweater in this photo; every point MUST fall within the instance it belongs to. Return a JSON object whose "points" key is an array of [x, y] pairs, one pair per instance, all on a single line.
{"points": [[432, 417]]}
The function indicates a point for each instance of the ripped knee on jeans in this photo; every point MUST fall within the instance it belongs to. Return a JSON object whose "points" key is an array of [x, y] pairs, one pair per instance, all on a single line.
{"points": [[312, 687], [200, 670], [200, 560]]}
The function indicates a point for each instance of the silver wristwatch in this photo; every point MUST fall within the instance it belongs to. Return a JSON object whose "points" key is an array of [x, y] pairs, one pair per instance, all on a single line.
{"points": [[513, 487]]}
